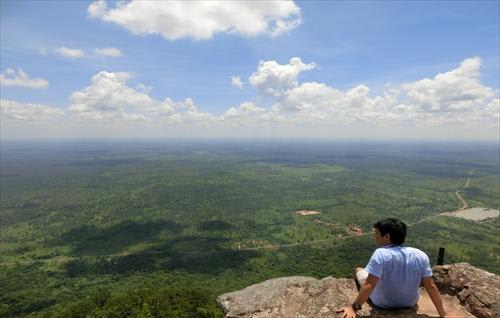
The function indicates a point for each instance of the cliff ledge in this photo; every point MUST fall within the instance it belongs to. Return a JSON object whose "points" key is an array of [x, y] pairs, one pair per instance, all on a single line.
{"points": [[466, 290]]}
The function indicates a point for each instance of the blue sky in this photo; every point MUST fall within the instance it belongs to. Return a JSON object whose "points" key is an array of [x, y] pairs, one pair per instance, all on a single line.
{"points": [[384, 46]]}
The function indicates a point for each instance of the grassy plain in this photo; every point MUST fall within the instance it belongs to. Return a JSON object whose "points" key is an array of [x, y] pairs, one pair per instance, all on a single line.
{"points": [[159, 229]]}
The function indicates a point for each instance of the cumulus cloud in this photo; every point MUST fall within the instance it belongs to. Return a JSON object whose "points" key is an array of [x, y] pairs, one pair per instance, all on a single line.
{"points": [[275, 79], [455, 98], [19, 78], [247, 111], [97, 9], [313, 102], [200, 19], [171, 112], [73, 53], [144, 88], [456, 90], [109, 51], [423, 102], [108, 98], [236, 81], [25, 112]]}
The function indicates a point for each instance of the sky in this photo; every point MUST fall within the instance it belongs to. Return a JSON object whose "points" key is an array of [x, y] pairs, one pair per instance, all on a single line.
{"points": [[416, 70]]}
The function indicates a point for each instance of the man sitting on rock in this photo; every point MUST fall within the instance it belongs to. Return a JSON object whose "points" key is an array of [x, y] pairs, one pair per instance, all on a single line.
{"points": [[394, 273]]}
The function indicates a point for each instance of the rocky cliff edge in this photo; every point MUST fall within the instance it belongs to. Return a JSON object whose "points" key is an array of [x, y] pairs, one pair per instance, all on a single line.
{"points": [[467, 291]]}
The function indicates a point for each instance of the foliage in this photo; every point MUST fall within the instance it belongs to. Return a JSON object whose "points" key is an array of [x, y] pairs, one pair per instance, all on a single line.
{"points": [[144, 229], [143, 303]]}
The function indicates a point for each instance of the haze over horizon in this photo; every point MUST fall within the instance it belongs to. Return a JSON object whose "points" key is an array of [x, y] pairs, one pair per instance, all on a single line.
{"points": [[274, 69]]}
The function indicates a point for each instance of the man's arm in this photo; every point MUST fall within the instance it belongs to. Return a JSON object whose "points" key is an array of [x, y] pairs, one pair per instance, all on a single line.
{"points": [[363, 295], [433, 292]]}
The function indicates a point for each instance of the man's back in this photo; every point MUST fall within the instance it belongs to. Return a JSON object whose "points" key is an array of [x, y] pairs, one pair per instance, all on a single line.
{"points": [[400, 270]]}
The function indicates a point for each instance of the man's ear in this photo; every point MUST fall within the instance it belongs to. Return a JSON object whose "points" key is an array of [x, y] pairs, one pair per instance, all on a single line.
{"points": [[388, 236]]}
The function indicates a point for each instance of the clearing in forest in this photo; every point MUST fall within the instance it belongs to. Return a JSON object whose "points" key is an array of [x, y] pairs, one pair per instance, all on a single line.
{"points": [[474, 214], [307, 212]]}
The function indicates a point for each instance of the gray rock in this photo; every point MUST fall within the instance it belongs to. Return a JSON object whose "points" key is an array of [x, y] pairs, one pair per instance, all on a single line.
{"points": [[466, 291], [477, 289], [289, 297]]}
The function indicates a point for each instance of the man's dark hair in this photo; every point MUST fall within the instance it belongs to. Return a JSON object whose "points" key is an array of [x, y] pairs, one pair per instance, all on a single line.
{"points": [[394, 227]]}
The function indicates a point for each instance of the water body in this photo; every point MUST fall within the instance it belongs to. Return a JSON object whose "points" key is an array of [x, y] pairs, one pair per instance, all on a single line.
{"points": [[474, 214]]}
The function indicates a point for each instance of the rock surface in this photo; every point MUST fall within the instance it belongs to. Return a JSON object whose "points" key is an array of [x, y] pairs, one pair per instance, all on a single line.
{"points": [[289, 297], [306, 297], [477, 290]]}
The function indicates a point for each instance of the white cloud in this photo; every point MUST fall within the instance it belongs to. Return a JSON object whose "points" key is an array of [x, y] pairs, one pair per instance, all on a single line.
{"points": [[171, 112], [109, 98], [110, 51], [246, 111], [144, 88], [236, 81], [20, 78], [284, 26], [317, 102], [73, 53], [275, 79], [456, 90], [309, 96], [25, 112], [200, 19], [493, 108], [454, 101], [97, 9], [454, 97], [80, 53]]}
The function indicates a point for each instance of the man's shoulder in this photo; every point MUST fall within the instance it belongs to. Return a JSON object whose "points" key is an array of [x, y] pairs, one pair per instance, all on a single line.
{"points": [[382, 253], [415, 251]]}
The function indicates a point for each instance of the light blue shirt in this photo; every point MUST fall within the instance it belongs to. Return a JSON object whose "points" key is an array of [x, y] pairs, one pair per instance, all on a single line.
{"points": [[400, 270]]}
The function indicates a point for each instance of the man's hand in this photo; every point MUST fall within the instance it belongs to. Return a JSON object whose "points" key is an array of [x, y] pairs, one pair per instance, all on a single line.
{"points": [[364, 293], [348, 312]]}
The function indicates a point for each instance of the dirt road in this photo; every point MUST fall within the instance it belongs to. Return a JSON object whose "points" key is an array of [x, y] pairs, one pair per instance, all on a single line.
{"points": [[210, 252], [466, 185]]}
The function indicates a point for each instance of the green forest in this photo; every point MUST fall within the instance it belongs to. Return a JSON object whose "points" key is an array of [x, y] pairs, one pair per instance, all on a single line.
{"points": [[161, 228]]}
